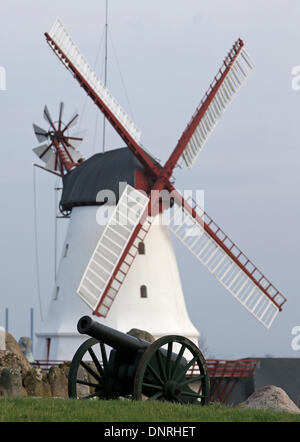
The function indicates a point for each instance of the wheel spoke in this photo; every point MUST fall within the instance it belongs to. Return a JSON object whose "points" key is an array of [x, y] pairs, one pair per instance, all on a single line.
{"points": [[90, 384], [191, 380], [157, 387], [185, 369], [161, 365], [155, 396], [104, 356], [177, 361], [169, 356], [190, 394], [155, 374], [89, 370], [96, 362]]}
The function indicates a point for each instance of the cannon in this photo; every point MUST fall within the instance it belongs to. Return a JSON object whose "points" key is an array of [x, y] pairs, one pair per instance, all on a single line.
{"points": [[135, 368]]}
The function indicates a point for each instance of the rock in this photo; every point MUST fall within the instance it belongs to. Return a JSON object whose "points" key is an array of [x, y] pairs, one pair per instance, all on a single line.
{"points": [[83, 375], [11, 360], [13, 347], [58, 381], [65, 367], [26, 345], [11, 383], [141, 334], [2, 339], [271, 398], [36, 383]]}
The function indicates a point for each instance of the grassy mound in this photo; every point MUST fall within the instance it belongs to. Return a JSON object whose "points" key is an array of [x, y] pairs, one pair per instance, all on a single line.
{"points": [[69, 410]]}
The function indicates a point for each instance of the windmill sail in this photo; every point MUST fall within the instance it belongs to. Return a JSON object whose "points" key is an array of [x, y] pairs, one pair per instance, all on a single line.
{"points": [[60, 154], [115, 251], [61, 38], [230, 78], [224, 260]]}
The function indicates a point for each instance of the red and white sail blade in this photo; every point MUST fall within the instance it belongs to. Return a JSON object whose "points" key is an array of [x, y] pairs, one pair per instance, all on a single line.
{"points": [[69, 51], [115, 251], [233, 73], [224, 260]]}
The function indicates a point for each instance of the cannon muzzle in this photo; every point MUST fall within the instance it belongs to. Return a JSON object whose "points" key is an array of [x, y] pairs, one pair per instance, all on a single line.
{"points": [[119, 341]]}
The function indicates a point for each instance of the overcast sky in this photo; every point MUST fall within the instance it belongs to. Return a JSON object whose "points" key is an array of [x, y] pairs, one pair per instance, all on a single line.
{"points": [[168, 53]]}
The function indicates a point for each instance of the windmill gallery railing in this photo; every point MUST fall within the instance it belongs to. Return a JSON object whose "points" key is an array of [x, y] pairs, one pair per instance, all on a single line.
{"points": [[224, 376]]}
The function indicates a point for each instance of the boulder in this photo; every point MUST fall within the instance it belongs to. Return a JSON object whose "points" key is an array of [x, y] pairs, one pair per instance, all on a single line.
{"points": [[271, 398], [36, 383], [11, 360], [13, 347], [25, 344], [58, 381], [2, 339], [141, 334], [11, 383], [83, 375]]}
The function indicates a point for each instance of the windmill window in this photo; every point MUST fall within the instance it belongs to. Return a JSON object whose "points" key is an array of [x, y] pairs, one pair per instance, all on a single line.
{"points": [[141, 248], [143, 291], [66, 250]]}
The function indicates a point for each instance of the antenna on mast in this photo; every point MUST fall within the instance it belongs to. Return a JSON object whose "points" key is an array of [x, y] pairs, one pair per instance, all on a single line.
{"points": [[105, 70]]}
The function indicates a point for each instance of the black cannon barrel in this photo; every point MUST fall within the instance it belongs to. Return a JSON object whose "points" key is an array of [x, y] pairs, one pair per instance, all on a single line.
{"points": [[119, 341]]}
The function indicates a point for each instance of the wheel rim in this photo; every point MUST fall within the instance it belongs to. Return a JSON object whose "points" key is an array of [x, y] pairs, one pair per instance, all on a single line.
{"points": [[88, 380], [164, 377]]}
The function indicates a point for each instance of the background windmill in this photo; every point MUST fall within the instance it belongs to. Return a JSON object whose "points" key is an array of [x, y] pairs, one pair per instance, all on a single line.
{"points": [[117, 249], [59, 149]]}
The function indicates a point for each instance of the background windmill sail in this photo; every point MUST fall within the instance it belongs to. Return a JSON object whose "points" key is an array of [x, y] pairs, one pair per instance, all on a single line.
{"points": [[60, 153]]}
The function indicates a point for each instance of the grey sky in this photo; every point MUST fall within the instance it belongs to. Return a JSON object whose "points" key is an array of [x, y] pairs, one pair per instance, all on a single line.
{"points": [[169, 52]]}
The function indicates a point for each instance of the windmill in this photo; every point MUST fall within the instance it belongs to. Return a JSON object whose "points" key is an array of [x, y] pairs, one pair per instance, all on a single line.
{"points": [[59, 153], [110, 263]]}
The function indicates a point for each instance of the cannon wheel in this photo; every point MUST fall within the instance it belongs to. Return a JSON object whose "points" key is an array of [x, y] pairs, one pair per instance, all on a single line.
{"points": [[83, 374], [170, 380]]}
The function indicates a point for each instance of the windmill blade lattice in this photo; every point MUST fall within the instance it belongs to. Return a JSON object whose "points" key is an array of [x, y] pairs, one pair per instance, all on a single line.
{"points": [[115, 251], [60, 37], [231, 76], [225, 261]]}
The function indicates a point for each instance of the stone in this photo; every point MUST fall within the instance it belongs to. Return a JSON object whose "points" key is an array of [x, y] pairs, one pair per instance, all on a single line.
{"points": [[11, 383], [83, 390], [13, 347], [10, 360], [58, 381], [271, 398], [26, 345], [141, 334], [2, 339], [36, 383]]}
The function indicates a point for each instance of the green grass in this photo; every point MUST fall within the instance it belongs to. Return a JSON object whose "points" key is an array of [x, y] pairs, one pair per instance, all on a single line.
{"points": [[69, 410]]}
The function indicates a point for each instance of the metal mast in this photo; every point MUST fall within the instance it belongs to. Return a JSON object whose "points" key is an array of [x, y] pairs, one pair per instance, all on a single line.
{"points": [[105, 70]]}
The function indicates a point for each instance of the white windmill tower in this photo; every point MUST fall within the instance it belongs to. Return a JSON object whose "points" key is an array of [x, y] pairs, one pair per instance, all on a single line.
{"points": [[131, 255]]}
